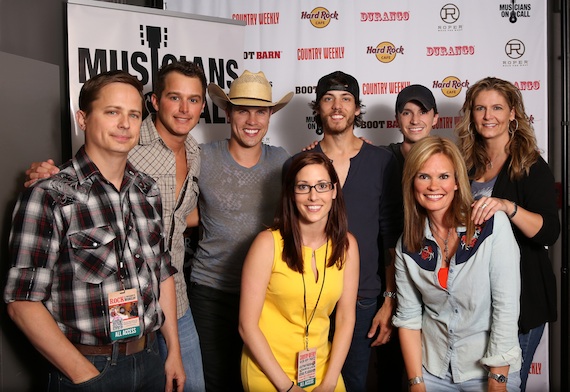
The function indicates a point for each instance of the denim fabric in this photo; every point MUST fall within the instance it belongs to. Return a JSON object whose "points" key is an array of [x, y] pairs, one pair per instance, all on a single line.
{"points": [[474, 321], [190, 349], [355, 369], [529, 342], [216, 314], [143, 372], [478, 384]]}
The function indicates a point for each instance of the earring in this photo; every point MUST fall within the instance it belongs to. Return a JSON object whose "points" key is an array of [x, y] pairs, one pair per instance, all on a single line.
{"points": [[512, 131]]}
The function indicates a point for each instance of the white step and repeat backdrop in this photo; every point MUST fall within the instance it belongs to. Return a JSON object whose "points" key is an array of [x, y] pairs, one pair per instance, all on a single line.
{"points": [[387, 45], [105, 36]]}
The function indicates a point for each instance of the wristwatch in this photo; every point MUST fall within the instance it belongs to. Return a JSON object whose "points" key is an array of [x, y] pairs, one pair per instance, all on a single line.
{"points": [[391, 294], [498, 377]]}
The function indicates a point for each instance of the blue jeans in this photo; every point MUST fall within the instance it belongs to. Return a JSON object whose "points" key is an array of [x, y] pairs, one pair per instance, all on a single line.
{"points": [[216, 314], [529, 342], [190, 349], [142, 371], [446, 384], [355, 369]]}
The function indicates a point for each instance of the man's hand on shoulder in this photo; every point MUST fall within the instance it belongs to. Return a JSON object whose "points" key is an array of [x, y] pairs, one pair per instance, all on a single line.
{"points": [[311, 146], [39, 170]]}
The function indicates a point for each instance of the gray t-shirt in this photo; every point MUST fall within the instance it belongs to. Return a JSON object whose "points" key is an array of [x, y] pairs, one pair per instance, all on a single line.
{"points": [[236, 203], [480, 189]]}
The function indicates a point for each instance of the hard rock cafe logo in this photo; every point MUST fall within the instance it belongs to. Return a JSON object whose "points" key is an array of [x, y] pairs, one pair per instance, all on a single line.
{"points": [[385, 51], [451, 86], [319, 17]]}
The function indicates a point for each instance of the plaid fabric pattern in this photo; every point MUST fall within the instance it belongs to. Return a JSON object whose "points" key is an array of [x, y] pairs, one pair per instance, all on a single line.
{"points": [[151, 156], [70, 232]]}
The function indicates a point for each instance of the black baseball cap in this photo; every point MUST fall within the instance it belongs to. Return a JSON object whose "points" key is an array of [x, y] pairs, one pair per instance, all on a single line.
{"points": [[415, 92], [338, 81]]}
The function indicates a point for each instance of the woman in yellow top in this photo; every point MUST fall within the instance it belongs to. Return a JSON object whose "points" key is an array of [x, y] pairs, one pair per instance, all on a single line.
{"points": [[293, 277]]}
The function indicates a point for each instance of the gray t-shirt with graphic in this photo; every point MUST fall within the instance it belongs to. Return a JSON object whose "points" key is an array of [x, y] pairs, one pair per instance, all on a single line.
{"points": [[236, 203]]}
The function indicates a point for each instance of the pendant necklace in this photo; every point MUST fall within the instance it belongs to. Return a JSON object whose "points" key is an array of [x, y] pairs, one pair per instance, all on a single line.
{"points": [[445, 242]]}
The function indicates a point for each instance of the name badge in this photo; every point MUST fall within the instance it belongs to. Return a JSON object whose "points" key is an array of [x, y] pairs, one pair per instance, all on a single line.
{"points": [[307, 367], [124, 314]]}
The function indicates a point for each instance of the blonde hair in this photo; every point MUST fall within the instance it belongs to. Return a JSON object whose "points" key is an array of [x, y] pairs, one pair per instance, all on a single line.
{"points": [[522, 147], [458, 214]]}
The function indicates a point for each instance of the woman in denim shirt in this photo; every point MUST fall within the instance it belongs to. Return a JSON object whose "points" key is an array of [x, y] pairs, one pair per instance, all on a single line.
{"points": [[458, 283]]}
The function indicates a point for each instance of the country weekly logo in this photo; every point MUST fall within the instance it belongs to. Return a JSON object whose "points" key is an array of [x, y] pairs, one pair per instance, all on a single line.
{"points": [[514, 11], [261, 18], [515, 50], [319, 17], [449, 15], [385, 51], [145, 63]]}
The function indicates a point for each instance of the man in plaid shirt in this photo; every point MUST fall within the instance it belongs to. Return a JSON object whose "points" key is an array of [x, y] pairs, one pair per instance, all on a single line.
{"points": [[90, 280]]}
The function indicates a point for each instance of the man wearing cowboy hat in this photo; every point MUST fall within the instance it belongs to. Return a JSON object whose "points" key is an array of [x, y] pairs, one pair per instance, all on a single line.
{"points": [[240, 181]]}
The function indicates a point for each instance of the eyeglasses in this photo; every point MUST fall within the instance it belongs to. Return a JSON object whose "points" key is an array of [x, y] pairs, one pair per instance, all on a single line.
{"points": [[320, 187]]}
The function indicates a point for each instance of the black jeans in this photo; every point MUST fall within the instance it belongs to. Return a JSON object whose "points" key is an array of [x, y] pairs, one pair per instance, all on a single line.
{"points": [[216, 315]]}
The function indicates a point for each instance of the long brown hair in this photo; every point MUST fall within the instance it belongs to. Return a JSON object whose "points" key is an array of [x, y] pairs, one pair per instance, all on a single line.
{"points": [[287, 216], [522, 147], [458, 214]]}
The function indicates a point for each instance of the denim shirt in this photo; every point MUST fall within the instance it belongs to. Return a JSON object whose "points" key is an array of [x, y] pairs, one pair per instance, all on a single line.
{"points": [[472, 323]]}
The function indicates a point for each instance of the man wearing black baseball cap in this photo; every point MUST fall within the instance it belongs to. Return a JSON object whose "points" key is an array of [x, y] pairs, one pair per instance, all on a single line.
{"points": [[416, 113], [373, 202]]}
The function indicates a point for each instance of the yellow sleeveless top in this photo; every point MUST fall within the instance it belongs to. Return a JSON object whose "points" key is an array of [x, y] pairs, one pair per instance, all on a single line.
{"points": [[282, 318]]}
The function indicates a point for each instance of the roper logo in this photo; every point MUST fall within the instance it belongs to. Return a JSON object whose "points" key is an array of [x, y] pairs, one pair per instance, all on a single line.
{"points": [[514, 49], [449, 13], [451, 86], [319, 17], [385, 51]]}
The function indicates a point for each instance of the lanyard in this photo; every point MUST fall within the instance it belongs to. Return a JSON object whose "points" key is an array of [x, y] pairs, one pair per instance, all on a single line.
{"points": [[310, 319]]}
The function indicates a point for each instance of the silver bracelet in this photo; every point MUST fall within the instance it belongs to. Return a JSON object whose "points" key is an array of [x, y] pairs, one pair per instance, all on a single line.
{"points": [[514, 211], [415, 380]]}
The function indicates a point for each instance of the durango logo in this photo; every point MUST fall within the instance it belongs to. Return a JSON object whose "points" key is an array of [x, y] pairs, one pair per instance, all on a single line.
{"points": [[319, 17]]}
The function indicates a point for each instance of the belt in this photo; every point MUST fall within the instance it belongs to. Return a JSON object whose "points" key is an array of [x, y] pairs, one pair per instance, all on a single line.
{"points": [[127, 348]]}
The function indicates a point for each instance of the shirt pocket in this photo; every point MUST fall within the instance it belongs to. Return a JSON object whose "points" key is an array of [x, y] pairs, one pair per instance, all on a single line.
{"points": [[94, 258]]}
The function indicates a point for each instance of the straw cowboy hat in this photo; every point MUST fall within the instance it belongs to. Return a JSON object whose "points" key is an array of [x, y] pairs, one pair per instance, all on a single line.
{"points": [[250, 89]]}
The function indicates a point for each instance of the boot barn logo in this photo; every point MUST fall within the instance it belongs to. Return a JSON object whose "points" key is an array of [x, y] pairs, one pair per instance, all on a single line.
{"points": [[449, 14], [451, 86], [514, 11], [319, 17], [385, 51], [145, 63]]}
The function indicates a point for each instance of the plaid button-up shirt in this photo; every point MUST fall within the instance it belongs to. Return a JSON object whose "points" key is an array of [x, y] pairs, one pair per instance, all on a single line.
{"points": [[153, 157], [70, 232]]}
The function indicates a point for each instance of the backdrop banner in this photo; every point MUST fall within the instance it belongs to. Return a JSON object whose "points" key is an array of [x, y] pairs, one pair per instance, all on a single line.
{"points": [[388, 45], [105, 36]]}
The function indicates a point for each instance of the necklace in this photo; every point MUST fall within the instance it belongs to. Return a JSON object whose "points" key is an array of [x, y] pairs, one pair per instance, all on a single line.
{"points": [[445, 241]]}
